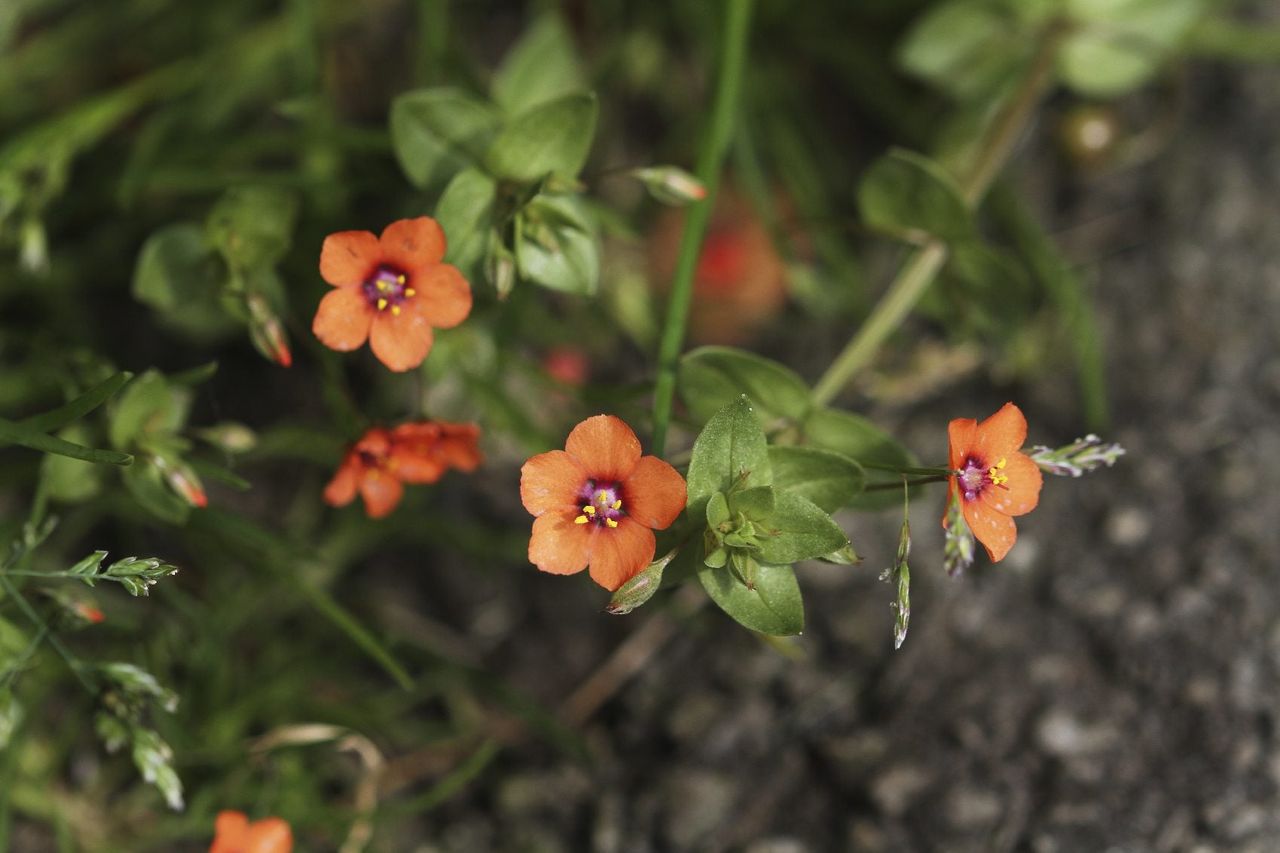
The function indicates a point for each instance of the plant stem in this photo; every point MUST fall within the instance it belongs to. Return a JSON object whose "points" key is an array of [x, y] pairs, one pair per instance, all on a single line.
{"points": [[73, 662], [919, 481], [937, 471], [710, 159], [915, 277]]}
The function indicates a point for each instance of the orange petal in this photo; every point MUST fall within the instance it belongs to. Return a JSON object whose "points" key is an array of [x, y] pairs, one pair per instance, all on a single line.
{"points": [[413, 465], [995, 530], [960, 439], [343, 318], [443, 295], [459, 446], [381, 493], [558, 545], [229, 829], [412, 244], [342, 488], [1001, 434], [620, 554], [400, 341], [1021, 493], [550, 482], [349, 257], [269, 835], [605, 447], [654, 494]]}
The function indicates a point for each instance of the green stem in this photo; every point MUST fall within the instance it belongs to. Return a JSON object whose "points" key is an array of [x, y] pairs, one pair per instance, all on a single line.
{"points": [[710, 159], [30, 612], [937, 471], [915, 277], [919, 481]]}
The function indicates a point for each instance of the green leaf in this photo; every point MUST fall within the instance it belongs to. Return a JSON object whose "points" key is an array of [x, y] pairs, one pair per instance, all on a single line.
{"points": [[79, 407], [846, 556], [542, 66], [566, 258], [552, 137], [730, 452], [1118, 45], [827, 478], [860, 440], [773, 607], [10, 717], [16, 433], [798, 530], [717, 510], [465, 212], [252, 226], [640, 588], [181, 277], [70, 480], [967, 48], [712, 377], [150, 406], [433, 131], [755, 503], [907, 195]]}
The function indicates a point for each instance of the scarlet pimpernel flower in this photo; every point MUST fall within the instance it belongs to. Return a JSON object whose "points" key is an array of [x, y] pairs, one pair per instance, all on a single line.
{"points": [[597, 503], [391, 290], [992, 480], [234, 833], [378, 466]]}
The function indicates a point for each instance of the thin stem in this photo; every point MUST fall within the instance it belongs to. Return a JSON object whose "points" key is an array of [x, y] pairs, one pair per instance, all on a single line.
{"points": [[30, 612], [937, 471], [919, 481], [710, 159], [915, 277]]}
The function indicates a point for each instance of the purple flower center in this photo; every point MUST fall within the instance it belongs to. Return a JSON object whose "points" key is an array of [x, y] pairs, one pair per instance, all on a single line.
{"points": [[601, 503], [975, 476], [387, 289]]}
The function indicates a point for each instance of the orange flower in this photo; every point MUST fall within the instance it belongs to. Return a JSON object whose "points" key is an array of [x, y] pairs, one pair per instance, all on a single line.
{"points": [[992, 480], [390, 290], [382, 461], [233, 833], [598, 502]]}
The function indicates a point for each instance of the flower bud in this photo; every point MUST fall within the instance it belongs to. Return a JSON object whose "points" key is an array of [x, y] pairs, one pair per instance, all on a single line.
{"points": [[671, 185]]}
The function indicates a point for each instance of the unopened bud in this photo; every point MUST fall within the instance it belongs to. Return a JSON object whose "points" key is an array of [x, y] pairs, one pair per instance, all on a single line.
{"points": [[230, 436], [500, 267], [34, 254], [671, 185], [182, 480], [267, 332]]}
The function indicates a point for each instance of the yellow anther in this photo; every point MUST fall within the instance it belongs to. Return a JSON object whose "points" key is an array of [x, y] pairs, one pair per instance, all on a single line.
{"points": [[582, 519], [602, 496], [382, 285], [617, 504], [400, 279], [589, 509], [611, 522], [382, 304], [395, 310], [993, 472], [409, 291]]}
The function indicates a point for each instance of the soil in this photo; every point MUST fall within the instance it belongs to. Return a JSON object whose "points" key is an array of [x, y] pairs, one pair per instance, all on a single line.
{"points": [[1113, 684]]}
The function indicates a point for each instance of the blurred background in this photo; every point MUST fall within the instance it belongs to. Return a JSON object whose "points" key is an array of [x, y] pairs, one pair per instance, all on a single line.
{"points": [[412, 683]]}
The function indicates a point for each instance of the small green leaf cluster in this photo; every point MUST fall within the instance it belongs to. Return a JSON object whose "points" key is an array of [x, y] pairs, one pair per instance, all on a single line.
{"points": [[971, 48], [129, 696], [207, 279]]}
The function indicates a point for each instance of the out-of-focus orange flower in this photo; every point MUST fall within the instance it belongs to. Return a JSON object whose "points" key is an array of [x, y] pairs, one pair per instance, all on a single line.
{"points": [[993, 481], [382, 461], [597, 503], [233, 833], [390, 290], [568, 365], [740, 280]]}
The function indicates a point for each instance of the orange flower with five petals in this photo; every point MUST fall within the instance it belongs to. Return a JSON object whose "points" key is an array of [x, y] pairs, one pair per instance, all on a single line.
{"points": [[597, 503], [991, 479], [379, 465], [390, 290], [233, 833]]}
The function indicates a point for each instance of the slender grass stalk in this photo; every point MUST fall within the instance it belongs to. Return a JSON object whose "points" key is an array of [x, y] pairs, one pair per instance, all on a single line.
{"points": [[710, 159], [915, 277]]}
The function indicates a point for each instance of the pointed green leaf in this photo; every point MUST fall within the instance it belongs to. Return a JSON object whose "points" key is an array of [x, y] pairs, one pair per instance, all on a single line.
{"points": [[252, 226], [15, 433], [465, 212], [543, 65], [568, 259], [79, 407], [798, 530], [640, 588], [859, 439], [827, 478], [754, 503], [712, 377], [553, 137], [435, 131], [150, 406], [731, 451], [774, 606]]}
